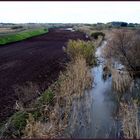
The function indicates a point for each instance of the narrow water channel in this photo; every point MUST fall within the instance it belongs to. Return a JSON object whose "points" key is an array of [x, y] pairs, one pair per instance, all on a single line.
{"points": [[93, 116]]}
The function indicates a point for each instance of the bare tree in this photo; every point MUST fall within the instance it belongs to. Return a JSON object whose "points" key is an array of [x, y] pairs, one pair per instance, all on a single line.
{"points": [[125, 47]]}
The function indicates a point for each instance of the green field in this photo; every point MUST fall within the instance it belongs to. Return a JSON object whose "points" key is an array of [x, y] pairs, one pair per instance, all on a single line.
{"points": [[21, 35]]}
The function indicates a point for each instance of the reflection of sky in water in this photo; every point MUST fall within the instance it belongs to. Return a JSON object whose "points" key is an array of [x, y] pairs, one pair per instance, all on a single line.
{"points": [[103, 105]]}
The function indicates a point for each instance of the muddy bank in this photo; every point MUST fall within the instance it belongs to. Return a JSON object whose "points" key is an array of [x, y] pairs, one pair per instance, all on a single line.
{"points": [[38, 60]]}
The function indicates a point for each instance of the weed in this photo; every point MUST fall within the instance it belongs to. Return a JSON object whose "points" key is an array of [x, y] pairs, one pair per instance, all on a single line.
{"points": [[47, 97]]}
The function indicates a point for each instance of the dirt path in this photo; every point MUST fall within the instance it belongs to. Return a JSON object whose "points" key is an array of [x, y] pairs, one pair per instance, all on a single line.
{"points": [[38, 60]]}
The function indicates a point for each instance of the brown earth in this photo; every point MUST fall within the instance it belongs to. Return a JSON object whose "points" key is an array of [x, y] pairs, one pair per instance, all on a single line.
{"points": [[38, 60]]}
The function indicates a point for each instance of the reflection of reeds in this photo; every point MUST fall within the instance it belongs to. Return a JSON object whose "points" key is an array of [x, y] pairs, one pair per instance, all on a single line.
{"points": [[80, 114], [130, 120]]}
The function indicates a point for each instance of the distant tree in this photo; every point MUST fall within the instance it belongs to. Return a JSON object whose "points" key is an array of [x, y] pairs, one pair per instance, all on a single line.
{"points": [[16, 27], [124, 24], [131, 25], [119, 24]]}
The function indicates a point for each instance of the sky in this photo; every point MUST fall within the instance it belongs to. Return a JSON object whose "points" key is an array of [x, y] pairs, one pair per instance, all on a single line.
{"points": [[69, 12]]}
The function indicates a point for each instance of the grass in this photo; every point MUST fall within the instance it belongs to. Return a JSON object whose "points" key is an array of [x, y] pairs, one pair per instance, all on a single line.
{"points": [[47, 97], [13, 128], [21, 35], [19, 120]]}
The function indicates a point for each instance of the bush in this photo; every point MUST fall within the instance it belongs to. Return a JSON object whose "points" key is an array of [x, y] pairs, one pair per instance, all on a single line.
{"points": [[82, 48], [96, 34], [16, 27]]}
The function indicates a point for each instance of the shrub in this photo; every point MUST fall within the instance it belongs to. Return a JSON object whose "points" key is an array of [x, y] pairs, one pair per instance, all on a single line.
{"points": [[16, 27], [82, 48], [96, 34]]}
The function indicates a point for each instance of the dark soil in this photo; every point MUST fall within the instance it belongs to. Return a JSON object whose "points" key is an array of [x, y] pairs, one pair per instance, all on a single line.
{"points": [[38, 60]]}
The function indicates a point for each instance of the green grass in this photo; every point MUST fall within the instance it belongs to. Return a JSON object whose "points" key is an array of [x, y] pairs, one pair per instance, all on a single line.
{"points": [[47, 97], [21, 35], [16, 125]]}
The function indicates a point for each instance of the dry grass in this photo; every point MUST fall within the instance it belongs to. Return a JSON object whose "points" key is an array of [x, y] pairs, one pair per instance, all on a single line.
{"points": [[34, 129], [76, 78], [121, 80], [71, 84], [130, 120]]}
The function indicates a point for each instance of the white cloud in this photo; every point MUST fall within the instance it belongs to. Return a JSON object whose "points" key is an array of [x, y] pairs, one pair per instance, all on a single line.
{"points": [[82, 12]]}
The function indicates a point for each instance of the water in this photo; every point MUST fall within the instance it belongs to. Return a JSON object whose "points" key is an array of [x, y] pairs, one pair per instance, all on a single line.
{"points": [[70, 29], [94, 115]]}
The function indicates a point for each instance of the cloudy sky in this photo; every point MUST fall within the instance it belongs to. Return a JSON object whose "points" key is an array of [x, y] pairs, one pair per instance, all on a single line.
{"points": [[69, 12]]}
